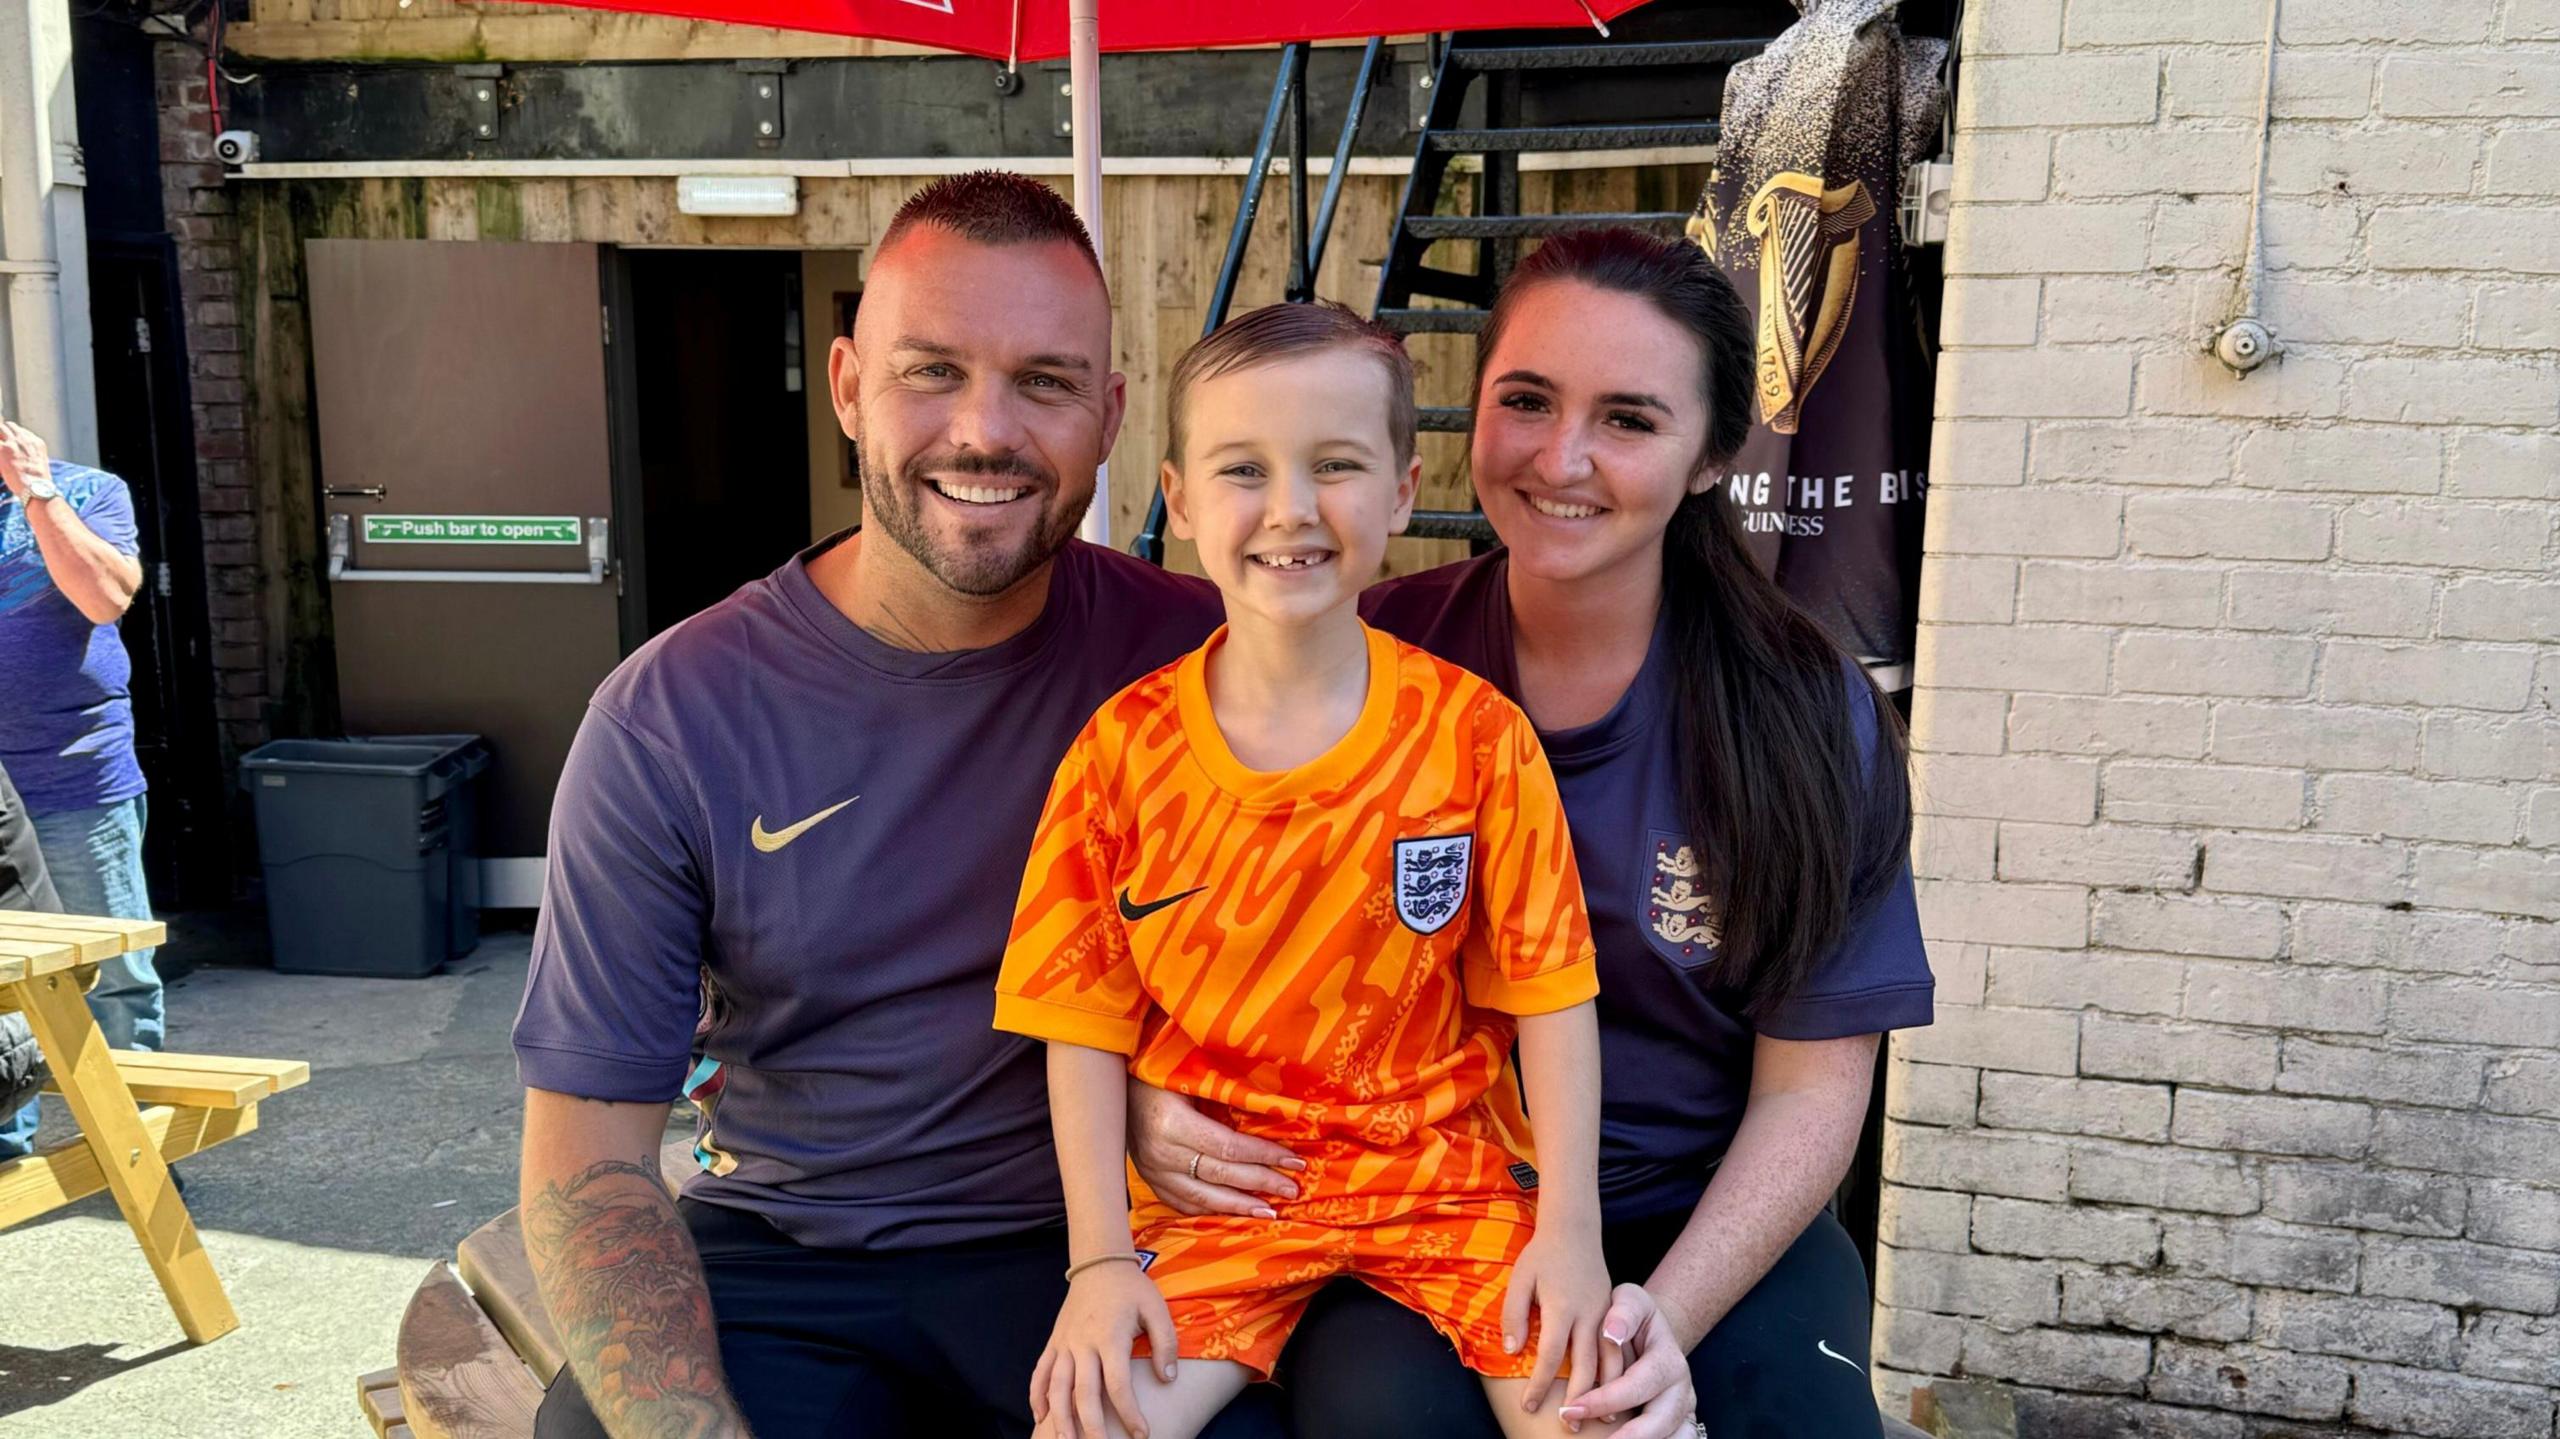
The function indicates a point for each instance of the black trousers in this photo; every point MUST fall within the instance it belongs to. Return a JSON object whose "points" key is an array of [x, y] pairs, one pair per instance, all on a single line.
{"points": [[840, 1344], [1789, 1362]]}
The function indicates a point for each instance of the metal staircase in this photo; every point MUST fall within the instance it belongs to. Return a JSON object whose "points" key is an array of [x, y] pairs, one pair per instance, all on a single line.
{"points": [[1491, 97], [1498, 82]]}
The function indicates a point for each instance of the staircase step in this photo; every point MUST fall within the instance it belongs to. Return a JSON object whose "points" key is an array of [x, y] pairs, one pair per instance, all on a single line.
{"points": [[1576, 137], [1589, 57], [1449, 525], [1442, 284], [1433, 322], [1481, 227], [1445, 419]]}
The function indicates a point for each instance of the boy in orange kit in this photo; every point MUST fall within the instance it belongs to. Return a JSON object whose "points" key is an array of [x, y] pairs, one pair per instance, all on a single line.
{"points": [[1313, 876]]}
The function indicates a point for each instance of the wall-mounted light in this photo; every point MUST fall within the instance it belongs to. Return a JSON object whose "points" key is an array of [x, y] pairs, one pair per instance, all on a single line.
{"points": [[738, 194]]}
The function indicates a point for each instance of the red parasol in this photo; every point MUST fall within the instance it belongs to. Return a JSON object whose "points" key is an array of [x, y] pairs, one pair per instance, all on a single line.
{"points": [[1016, 30], [1039, 29]]}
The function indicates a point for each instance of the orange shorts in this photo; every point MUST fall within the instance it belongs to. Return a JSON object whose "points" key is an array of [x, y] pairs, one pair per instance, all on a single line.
{"points": [[1238, 1285]]}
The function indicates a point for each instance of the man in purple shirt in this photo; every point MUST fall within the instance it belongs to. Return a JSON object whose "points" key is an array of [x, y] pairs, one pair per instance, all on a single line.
{"points": [[782, 864], [68, 571]]}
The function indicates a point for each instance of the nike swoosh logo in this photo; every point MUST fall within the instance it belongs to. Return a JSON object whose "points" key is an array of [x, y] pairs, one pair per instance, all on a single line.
{"points": [[769, 840], [1131, 911], [1830, 1353]]}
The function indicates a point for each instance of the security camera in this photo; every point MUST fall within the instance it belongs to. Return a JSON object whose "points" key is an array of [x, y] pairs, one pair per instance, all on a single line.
{"points": [[236, 147]]}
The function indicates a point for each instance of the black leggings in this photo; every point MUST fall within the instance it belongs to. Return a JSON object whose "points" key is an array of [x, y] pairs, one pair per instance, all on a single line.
{"points": [[1787, 1362]]}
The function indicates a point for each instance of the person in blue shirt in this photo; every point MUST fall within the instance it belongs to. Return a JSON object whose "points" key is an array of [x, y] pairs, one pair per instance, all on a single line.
{"points": [[68, 570]]}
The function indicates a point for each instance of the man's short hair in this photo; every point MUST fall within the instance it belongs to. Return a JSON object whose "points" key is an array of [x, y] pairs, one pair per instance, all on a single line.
{"points": [[1276, 332], [991, 207]]}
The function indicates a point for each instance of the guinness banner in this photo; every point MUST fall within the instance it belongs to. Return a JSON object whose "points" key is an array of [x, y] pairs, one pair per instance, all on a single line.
{"points": [[1801, 213]]}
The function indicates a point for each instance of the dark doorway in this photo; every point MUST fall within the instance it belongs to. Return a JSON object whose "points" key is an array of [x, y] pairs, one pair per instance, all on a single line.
{"points": [[719, 423], [145, 435]]}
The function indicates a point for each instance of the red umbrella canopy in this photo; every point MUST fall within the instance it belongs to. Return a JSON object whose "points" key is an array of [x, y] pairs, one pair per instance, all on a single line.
{"points": [[1037, 29]]}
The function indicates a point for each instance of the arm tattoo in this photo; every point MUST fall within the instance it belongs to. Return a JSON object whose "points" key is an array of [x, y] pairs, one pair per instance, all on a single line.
{"points": [[624, 1287]]}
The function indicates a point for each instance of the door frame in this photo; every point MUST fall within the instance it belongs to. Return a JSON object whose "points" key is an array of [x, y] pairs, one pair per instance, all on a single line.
{"points": [[622, 436]]}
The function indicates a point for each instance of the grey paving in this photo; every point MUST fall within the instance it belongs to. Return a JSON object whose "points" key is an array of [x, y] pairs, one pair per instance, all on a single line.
{"points": [[320, 1223]]}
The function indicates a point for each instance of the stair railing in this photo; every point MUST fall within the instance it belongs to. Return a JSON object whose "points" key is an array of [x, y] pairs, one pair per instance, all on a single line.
{"points": [[1306, 239]]}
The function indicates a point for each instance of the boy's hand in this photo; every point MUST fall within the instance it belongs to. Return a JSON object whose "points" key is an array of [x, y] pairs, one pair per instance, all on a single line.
{"points": [[1562, 1274], [1089, 1353]]}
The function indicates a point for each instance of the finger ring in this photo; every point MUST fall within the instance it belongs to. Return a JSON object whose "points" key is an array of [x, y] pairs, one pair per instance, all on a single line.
{"points": [[1196, 1157]]}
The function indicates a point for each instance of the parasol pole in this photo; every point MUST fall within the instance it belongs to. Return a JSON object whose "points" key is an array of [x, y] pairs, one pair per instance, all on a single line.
{"points": [[1084, 135]]}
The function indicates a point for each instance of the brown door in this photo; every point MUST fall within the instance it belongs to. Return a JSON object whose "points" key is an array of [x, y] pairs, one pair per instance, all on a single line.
{"points": [[465, 454]]}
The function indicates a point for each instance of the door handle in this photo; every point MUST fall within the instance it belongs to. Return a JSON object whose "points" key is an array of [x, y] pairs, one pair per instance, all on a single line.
{"points": [[356, 492]]}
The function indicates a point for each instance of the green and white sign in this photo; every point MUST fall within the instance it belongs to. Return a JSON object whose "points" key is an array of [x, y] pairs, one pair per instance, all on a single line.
{"points": [[473, 530]]}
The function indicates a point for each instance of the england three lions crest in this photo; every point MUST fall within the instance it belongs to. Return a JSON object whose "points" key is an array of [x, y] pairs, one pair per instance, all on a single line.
{"points": [[1679, 904], [1431, 880]]}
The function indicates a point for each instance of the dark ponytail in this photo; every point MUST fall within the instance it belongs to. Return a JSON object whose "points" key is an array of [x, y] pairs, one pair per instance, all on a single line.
{"points": [[1799, 827]]}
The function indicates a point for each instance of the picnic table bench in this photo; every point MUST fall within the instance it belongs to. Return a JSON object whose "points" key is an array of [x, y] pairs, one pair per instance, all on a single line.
{"points": [[136, 1111]]}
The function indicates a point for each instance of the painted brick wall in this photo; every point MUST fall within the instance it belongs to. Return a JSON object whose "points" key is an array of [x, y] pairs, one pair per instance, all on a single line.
{"points": [[2238, 762]]}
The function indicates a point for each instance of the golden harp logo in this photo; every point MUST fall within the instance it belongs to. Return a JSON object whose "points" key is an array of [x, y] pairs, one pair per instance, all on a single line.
{"points": [[1808, 284]]}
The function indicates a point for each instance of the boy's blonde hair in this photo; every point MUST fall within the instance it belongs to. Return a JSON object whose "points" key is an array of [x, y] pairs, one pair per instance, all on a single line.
{"points": [[1276, 332]]}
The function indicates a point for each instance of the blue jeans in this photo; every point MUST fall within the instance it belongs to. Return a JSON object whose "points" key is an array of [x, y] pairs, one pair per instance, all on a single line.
{"points": [[95, 857]]}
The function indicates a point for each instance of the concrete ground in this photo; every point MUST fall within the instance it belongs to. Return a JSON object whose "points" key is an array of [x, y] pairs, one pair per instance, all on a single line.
{"points": [[320, 1223]]}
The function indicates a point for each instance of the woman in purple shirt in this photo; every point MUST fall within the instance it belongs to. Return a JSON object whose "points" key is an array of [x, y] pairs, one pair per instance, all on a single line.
{"points": [[1740, 815]]}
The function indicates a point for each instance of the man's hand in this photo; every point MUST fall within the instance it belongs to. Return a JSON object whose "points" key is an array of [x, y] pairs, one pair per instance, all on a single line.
{"points": [[23, 456], [99, 579], [1199, 1166], [1087, 1361]]}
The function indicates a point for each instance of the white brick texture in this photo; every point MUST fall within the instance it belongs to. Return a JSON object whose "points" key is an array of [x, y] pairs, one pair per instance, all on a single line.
{"points": [[2238, 742]]}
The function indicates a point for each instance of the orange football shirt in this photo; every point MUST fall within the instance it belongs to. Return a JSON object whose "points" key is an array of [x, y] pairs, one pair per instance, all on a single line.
{"points": [[1333, 953]]}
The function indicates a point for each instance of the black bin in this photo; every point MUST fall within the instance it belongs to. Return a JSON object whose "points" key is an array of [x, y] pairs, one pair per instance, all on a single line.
{"points": [[462, 825], [356, 838]]}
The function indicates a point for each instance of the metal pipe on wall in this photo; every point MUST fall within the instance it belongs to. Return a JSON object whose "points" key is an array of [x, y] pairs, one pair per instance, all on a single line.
{"points": [[46, 377]]}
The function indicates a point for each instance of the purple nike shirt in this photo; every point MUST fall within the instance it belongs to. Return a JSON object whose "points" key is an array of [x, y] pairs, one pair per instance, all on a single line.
{"points": [[782, 868], [1675, 1049]]}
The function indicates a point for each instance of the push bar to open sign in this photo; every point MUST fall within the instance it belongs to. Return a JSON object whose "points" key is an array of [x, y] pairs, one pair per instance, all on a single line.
{"points": [[471, 530], [595, 530]]}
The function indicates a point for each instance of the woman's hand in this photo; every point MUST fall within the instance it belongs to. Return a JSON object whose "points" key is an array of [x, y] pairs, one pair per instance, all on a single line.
{"points": [[1200, 1166], [1561, 1273], [1088, 1356], [1655, 1388]]}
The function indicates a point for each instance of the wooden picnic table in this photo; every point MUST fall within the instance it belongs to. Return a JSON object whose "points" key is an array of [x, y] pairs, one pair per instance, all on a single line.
{"points": [[47, 963]]}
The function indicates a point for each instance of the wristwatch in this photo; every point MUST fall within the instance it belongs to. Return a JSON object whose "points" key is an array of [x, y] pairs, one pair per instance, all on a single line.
{"points": [[41, 487]]}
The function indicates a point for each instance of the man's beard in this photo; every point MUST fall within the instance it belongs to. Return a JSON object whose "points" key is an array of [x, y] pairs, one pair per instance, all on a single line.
{"points": [[983, 565]]}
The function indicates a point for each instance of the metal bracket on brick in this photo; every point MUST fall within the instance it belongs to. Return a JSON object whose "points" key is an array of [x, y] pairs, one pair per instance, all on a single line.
{"points": [[480, 92], [764, 99]]}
